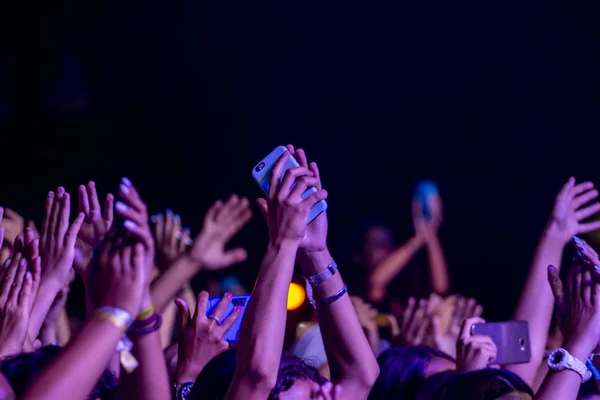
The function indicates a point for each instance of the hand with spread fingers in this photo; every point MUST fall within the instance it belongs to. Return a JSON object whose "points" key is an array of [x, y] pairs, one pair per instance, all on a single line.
{"points": [[415, 324], [327, 391], [222, 222], [171, 239], [445, 340], [16, 297], [202, 337], [571, 208], [57, 244], [474, 352]]}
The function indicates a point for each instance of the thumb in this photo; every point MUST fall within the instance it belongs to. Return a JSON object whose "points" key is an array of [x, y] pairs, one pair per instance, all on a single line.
{"points": [[183, 313], [235, 256], [262, 205], [556, 286]]}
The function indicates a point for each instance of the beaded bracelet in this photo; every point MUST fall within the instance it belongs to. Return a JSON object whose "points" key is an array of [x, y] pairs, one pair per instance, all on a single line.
{"points": [[144, 330]]}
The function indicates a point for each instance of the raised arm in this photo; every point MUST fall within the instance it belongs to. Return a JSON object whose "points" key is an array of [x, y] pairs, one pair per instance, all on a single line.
{"points": [[536, 303], [351, 361], [119, 282], [263, 327]]}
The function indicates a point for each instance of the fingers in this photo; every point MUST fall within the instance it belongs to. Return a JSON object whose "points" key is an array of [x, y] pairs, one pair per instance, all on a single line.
{"points": [[212, 212], [233, 216], [467, 326], [276, 172], [15, 288], [289, 179], [26, 295], [9, 277], [587, 212], [185, 240], [140, 233], [230, 320], [84, 202], [219, 311], [315, 170], [300, 156], [108, 212], [235, 256], [418, 320], [131, 214], [63, 221], [183, 313], [71, 235], [175, 234], [263, 207], [314, 198], [130, 195], [580, 188], [168, 226], [93, 195], [589, 226], [201, 306], [35, 267], [408, 313], [586, 287], [55, 216], [556, 286], [159, 227], [302, 184], [567, 188], [138, 261]]}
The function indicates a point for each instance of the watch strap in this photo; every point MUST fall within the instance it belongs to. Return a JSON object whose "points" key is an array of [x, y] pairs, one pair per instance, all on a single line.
{"points": [[567, 361]]}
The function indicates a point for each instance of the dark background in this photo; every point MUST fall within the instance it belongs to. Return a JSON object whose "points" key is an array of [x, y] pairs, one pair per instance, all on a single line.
{"points": [[497, 101]]}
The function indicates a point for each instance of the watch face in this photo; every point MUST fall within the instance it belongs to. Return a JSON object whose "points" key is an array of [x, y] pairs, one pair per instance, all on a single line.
{"points": [[184, 390]]}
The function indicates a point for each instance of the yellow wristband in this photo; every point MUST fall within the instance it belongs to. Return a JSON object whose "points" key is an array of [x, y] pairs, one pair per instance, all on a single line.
{"points": [[119, 318], [145, 313]]}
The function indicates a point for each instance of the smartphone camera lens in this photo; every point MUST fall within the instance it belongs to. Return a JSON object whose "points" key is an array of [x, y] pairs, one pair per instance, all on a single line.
{"points": [[522, 343], [259, 167]]}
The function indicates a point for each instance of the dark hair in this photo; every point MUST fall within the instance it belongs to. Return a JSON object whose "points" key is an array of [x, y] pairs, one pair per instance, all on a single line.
{"points": [[214, 380], [402, 371], [484, 384], [20, 371]]}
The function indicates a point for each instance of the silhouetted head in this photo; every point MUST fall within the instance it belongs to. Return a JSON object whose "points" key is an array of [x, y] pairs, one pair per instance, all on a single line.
{"points": [[295, 377], [485, 384], [21, 370], [403, 369]]}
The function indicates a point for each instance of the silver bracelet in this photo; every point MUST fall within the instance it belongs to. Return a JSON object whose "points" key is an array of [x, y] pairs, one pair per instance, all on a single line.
{"points": [[317, 279], [330, 299]]}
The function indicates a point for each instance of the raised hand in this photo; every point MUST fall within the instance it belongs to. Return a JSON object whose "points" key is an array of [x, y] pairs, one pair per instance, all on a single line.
{"points": [[134, 211], [120, 278], [202, 337], [570, 210], [315, 238], [16, 299], [221, 223], [57, 244], [445, 337], [415, 324], [98, 221], [474, 352], [426, 228], [171, 239]]}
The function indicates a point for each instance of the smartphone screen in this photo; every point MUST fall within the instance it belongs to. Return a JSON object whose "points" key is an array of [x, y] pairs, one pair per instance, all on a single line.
{"points": [[511, 339], [232, 334], [262, 175]]}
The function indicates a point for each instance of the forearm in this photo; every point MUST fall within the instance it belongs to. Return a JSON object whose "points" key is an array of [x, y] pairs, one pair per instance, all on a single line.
{"points": [[168, 284], [537, 302], [150, 380], [263, 328], [438, 268], [385, 272], [168, 315], [45, 297], [82, 361], [351, 359]]}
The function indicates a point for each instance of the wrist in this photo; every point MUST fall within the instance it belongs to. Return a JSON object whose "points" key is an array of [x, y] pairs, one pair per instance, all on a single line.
{"points": [[579, 349], [314, 262], [554, 234]]}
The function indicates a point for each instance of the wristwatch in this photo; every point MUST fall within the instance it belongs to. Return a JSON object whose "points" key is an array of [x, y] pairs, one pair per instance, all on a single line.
{"points": [[182, 390], [560, 359]]}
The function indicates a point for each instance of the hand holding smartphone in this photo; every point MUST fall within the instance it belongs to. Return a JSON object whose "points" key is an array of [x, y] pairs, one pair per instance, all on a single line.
{"points": [[232, 334], [511, 339], [262, 174]]}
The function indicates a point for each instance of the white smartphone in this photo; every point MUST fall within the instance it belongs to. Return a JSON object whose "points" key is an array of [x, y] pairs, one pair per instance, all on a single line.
{"points": [[262, 175]]}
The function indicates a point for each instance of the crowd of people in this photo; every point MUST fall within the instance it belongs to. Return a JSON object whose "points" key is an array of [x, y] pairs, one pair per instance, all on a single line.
{"points": [[379, 330]]}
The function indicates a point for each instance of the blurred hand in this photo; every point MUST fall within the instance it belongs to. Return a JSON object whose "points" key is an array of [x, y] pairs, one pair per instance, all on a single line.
{"points": [[57, 244], [474, 352], [284, 209], [13, 225], [16, 300], [120, 278], [366, 315], [570, 210], [202, 337], [426, 228], [445, 340], [416, 323], [171, 240], [134, 211], [221, 224], [327, 391]]}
